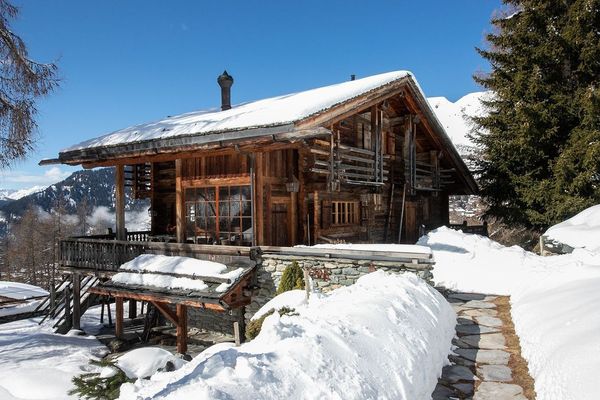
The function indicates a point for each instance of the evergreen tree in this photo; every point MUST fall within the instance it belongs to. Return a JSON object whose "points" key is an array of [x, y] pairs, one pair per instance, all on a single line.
{"points": [[540, 141]]}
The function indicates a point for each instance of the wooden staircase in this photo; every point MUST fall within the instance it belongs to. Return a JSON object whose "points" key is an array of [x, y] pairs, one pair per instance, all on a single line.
{"points": [[61, 310]]}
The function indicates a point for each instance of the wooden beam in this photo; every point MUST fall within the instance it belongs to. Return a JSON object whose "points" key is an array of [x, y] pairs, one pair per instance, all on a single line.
{"points": [[156, 297], [214, 149], [259, 199], [317, 219], [182, 329], [120, 201], [179, 202], [166, 311], [119, 317], [212, 181]]}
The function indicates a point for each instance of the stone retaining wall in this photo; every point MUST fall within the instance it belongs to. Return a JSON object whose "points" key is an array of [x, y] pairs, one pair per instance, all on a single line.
{"points": [[326, 274]]}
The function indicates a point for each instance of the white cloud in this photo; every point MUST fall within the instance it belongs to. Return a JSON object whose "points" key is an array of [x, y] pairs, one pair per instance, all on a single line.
{"points": [[19, 179]]}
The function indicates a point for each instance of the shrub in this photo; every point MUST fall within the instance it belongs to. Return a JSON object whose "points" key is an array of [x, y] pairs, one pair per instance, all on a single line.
{"points": [[253, 328], [92, 386], [292, 278]]}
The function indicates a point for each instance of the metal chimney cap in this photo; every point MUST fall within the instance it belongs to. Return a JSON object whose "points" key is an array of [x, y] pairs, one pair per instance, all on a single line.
{"points": [[225, 80]]}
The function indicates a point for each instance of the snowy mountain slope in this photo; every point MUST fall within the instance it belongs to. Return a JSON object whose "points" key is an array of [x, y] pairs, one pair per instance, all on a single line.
{"points": [[95, 187], [10, 194], [455, 117]]}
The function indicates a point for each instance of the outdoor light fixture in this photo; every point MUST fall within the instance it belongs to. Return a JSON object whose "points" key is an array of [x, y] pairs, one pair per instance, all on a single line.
{"points": [[293, 185]]}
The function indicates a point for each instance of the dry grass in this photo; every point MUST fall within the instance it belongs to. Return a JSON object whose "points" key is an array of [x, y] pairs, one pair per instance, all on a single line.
{"points": [[517, 364]]}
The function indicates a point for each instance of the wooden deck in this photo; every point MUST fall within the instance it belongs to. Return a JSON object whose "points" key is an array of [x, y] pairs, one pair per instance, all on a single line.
{"points": [[101, 255]]}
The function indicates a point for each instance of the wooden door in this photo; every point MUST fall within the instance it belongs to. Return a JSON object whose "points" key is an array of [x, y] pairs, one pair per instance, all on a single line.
{"points": [[280, 224]]}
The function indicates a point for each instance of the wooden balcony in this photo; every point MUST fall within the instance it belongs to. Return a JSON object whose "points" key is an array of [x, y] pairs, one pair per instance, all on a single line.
{"points": [[103, 255]]}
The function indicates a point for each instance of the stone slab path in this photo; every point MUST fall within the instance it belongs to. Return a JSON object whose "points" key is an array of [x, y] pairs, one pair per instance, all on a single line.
{"points": [[480, 367]]}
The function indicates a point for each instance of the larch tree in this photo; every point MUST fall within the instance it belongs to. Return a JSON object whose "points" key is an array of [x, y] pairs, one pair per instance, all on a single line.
{"points": [[22, 82], [540, 141]]}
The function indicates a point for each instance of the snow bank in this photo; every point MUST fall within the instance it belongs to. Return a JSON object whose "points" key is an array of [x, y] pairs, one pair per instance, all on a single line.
{"points": [[580, 231], [142, 268], [20, 291], [144, 362], [289, 299], [554, 305], [38, 364], [386, 337]]}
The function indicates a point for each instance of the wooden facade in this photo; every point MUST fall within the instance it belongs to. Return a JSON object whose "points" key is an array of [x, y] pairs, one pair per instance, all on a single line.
{"points": [[375, 168]]}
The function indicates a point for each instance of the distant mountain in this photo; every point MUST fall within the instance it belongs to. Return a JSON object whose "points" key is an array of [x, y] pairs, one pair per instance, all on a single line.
{"points": [[455, 118], [8, 195], [97, 187]]}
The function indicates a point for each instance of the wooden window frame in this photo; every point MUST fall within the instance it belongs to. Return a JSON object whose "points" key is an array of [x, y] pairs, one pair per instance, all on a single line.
{"points": [[345, 213], [217, 209]]}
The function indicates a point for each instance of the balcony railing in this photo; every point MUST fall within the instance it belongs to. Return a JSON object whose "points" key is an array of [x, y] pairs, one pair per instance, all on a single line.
{"points": [[101, 255]]}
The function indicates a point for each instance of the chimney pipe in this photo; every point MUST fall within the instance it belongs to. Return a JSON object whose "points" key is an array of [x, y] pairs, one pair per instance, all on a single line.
{"points": [[352, 77], [225, 81]]}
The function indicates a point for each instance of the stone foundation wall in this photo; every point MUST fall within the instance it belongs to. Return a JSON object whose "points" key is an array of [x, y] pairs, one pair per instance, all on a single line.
{"points": [[213, 321], [326, 274]]}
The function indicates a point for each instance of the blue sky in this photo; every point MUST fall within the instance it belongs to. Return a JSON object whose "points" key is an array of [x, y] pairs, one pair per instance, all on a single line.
{"points": [[126, 62]]}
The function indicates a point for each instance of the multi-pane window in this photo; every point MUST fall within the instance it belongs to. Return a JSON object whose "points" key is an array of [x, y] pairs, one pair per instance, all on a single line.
{"points": [[345, 212], [219, 215]]}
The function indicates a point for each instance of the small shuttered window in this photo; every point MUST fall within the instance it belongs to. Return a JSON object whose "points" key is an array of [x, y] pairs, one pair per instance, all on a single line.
{"points": [[345, 212]]}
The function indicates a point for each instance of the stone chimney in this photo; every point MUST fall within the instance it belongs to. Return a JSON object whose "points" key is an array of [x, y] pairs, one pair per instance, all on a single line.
{"points": [[225, 81]]}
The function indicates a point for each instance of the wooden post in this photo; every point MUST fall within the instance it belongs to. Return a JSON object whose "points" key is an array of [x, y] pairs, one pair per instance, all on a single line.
{"points": [[179, 201], [120, 201], [132, 309], [317, 218], [181, 328], [119, 317], [76, 324], [541, 245], [306, 283], [259, 199], [68, 306], [301, 198]]}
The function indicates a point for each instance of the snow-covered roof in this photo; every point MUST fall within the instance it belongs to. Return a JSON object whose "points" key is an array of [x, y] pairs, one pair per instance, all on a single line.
{"points": [[177, 277], [274, 111], [20, 291]]}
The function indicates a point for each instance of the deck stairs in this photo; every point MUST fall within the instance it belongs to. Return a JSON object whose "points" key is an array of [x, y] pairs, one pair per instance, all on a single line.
{"points": [[60, 312]]}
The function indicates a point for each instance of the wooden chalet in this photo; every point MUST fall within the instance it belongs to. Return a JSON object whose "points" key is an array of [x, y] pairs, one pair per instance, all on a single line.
{"points": [[365, 160]]}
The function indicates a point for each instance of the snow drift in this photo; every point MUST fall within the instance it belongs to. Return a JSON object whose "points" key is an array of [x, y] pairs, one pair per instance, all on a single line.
{"points": [[554, 305], [581, 231], [385, 337]]}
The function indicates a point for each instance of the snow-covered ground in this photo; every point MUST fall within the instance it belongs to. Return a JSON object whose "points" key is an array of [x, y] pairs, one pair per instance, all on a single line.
{"points": [[555, 302], [580, 231], [36, 364], [386, 337], [27, 295]]}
